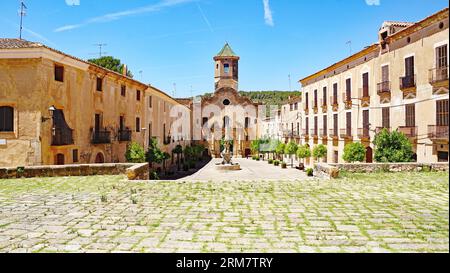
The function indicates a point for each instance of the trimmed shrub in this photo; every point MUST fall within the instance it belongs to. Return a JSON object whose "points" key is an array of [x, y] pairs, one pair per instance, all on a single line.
{"points": [[276, 163], [135, 153], [392, 147], [270, 161], [309, 172], [354, 152], [283, 165]]}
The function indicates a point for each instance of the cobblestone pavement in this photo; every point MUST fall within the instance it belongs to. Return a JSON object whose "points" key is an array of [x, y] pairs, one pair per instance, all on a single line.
{"points": [[357, 213]]}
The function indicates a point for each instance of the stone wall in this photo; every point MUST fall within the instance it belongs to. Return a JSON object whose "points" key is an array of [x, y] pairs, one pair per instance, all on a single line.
{"points": [[76, 170], [391, 167], [138, 172], [324, 170]]}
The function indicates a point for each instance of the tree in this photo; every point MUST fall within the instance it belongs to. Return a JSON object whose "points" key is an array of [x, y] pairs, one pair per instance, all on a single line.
{"points": [[254, 146], [178, 150], [280, 149], [154, 154], [392, 147], [165, 157], [354, 152], [320, 151], [135, 153], [290, 150], [303, 152], [111, 63]]}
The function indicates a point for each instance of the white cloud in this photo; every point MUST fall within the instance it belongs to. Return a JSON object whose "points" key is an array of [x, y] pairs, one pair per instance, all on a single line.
{"points": [[268, 13], [373, 2], [118, 15]]}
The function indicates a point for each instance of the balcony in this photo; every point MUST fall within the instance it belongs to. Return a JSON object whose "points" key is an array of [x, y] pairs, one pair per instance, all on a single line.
{"points": [[410, 132], [364, 96], [315, 107], [62, 137], [364, 133], [125, 135], [347, 101], [438, 78], [346, 133], [438, 133], [324, 105], [305, 134], [408, 86], [334, 103], [306, 110], [334, 136], [101, 137], [315, 135], [384, 91]]}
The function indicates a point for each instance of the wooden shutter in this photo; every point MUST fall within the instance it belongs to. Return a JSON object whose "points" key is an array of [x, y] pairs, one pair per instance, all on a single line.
{"points": [[348, 89], [365, 78], [385, 73], [441, 57], [386, 117], [315, 98], [409, 66], [442, 113], [349, 123], [366, 119], [316, 123], [335, 124], [307, 126], [410, 112], [335, 93], [307, 100], [325, 125], [324, 96]]}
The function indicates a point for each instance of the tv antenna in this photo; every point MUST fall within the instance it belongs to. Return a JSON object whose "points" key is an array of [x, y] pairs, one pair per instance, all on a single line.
{"points": [[349, 43], [22, 13], [100, 50]]}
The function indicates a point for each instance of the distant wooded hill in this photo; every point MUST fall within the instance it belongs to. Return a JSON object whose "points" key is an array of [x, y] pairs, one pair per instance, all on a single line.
{"points": [[267, 97]]}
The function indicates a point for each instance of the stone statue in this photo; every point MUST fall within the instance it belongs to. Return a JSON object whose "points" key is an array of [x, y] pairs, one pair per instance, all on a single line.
{"points": [[226, 154]]}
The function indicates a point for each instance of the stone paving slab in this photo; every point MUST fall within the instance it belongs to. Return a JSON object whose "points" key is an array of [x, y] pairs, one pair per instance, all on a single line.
{"points": [[406, 212]]}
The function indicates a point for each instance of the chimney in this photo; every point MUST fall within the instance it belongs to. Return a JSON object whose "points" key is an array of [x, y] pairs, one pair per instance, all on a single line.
{"points": [[124, 70]]}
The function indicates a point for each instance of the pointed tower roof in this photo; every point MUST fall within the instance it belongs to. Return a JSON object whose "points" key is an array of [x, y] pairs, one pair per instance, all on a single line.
{"points": [[226, 52]]}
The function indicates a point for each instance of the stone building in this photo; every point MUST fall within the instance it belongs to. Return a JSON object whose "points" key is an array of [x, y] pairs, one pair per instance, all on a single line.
{"points": [[399, 83], [59, 109], [226, 114]]}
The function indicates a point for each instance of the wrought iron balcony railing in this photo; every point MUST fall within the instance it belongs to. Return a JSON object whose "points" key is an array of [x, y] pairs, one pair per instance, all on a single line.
{"points": [[101, 137], [125, 135], [384, 88], [438, 132], [410, 132], [438, 75], [407, 82], [62, 137]]}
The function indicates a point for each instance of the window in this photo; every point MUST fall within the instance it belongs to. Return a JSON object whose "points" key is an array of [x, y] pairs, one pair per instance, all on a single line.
{"points": [[409, 66], [296, 106], [150, 102], [123, 90], [226, 68], [349, 124], [247, 123], [386, 119], [315, 98], [365, 80], [385, 73], [366, 123], [138, 125], [335, 94], [59, 73], [335, 124], [316, 125], [291, 107], [348, 89], [410, 111], [204, 121], [75, 156], [307, 101], [324, 96], [6, 119], [138, 95], [307, 126], [226, 102], [442, 113], [99, 84], [150, 133], [441, 57], [298, 128], [325, 125]]}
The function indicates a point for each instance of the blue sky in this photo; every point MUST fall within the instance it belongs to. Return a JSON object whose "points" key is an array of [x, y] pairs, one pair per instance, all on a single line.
{"points": [[174, 41]]}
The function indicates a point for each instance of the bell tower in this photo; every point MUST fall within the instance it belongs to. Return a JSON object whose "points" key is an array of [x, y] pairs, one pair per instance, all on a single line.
{"points": [[226, 69]]}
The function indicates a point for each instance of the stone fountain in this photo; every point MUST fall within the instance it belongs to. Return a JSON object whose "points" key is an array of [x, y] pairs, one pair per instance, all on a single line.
{"points": [[226, 154]]}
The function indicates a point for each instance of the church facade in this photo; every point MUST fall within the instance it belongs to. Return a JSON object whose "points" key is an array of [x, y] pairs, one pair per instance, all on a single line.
{"points": [[227, 115]]}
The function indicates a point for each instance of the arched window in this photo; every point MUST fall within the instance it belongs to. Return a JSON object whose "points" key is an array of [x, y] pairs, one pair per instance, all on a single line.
{"points": [[6, 119], [226, 68]]}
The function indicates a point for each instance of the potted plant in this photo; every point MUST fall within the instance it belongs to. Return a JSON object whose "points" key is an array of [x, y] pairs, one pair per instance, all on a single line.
{"points": [[283, 165], [270, 161], [302, 153], [320, 152], [276, 163]]}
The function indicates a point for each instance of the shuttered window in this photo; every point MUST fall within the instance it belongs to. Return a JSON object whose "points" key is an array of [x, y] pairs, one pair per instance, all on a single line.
{"points": [[410, 111], [307, 126], [325, 125], [348, 89], [441, 57], [409, 66], [6, 119], [307, 101], [386, 117], [365, 79], [349, 124], [335, 93], [316, 125], [335, 124], [138, 125], [385, 73], [442, 113], [315, 98], [59, 73], [324, 96]]}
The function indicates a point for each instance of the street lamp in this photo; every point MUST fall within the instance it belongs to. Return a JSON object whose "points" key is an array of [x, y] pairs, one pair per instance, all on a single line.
{"points": [[51, 110]]}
